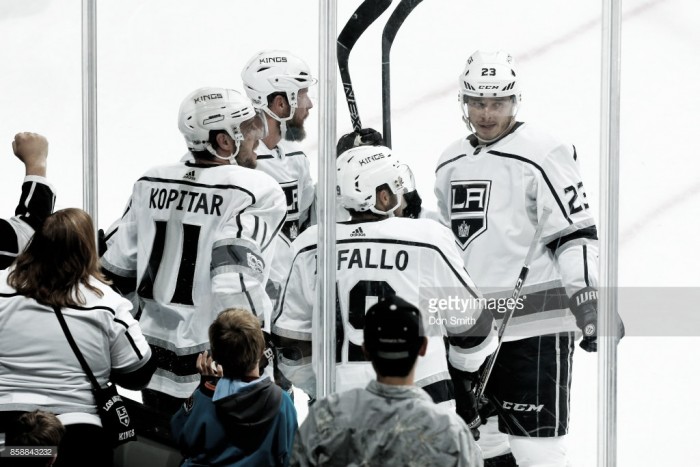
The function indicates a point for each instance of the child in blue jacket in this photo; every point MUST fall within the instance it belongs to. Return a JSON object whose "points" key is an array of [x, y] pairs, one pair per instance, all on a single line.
{"points": [[240, 419]]}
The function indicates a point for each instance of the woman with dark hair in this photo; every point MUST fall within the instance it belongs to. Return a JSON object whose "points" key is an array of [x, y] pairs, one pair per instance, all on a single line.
{"points": [[38, 369]]}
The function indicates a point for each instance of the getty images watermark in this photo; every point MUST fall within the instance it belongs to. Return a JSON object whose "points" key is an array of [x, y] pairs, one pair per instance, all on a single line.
{"points": [[454, 310]]}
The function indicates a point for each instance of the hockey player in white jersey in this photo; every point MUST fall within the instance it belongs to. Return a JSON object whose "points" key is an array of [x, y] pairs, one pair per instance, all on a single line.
{"points": [[381, 254], [196, 238], [277, 82], [492, 187]]}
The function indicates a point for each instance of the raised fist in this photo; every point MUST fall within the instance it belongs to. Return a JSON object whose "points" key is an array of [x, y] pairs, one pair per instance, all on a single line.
{"points": [[32, 149]]}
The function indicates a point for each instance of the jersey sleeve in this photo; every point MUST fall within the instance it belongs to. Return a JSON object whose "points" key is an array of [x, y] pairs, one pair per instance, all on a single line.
{"points": [[308, 194], [442, 185], [570, 232], [240, 264], [280, 263], [119, 261], [458, 307], [36, 203], [129, 350], [292, 325]]}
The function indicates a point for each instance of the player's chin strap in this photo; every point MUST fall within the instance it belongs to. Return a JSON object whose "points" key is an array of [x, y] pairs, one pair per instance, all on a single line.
{"points": [[231, 159], [282, 120], [389, 212], [237, 138]]}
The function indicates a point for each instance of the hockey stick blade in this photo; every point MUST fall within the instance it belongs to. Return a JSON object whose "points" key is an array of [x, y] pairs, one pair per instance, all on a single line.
{"points": [[397, 18], [491, 361], [364, 16]]}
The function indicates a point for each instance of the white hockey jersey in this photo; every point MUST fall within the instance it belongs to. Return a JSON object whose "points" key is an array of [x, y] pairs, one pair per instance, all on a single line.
{"points": [[39, 368], [289, 166], [492, 196], [414, 258], [196, 239]]}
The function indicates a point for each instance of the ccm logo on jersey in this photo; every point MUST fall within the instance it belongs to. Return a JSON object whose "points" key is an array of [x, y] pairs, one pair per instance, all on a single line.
{"points": [[522, 407], [469, 204]]}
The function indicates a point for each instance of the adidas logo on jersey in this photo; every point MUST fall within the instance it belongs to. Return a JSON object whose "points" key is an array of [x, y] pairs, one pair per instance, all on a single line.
{"points": [[358, 232], [189, 175]]}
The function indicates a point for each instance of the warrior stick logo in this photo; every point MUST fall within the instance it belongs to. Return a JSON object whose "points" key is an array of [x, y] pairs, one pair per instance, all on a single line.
{"points": [[469, 205]]}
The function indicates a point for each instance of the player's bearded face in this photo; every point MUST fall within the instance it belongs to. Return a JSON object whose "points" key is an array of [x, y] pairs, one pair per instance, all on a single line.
{"points": [[295, 125], [490, 117]]}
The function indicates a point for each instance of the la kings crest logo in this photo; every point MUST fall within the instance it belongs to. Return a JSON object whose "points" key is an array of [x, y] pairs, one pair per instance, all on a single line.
{"points": [[291, 193], [123, 416], [469, 204]]}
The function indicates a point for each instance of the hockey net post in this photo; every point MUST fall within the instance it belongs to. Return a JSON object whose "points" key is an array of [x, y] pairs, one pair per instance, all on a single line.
{"points": [[491, 361], [362, 18]]}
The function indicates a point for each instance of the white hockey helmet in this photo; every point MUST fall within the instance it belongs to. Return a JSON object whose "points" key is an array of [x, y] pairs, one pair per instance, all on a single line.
{"points": [[272, 71], [489, 74], [212, 108], [362, 170]]}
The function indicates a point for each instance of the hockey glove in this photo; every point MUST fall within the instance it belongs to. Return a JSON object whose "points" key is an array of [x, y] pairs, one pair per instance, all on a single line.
{"points": [[584, 306], [467, 406], [271, 357], [486, 409], [413, 204], [361, 137]]}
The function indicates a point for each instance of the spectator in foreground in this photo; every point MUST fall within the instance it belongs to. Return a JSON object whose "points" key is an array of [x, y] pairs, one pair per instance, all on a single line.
{"points": [[236, 417], [391, 421]]}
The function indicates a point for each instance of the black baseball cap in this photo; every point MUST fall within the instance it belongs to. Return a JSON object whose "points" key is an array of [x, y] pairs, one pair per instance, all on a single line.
{"points": [[393, 335]]}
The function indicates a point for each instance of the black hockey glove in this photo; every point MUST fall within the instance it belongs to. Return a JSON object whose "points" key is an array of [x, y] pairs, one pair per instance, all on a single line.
{"points": [[413, 204], [584, 306], [486, 409], [271, 357], [467, 406], [361, 137]]}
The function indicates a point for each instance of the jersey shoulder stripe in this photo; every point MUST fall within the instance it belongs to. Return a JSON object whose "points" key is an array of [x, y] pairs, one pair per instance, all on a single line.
{"points": [[198, 185], [449, 161], [544, 177]]}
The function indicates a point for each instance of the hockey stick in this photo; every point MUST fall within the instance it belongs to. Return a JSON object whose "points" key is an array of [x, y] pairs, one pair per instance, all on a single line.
{"points": [[398, 16], [364, 16], [491, 361]]}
